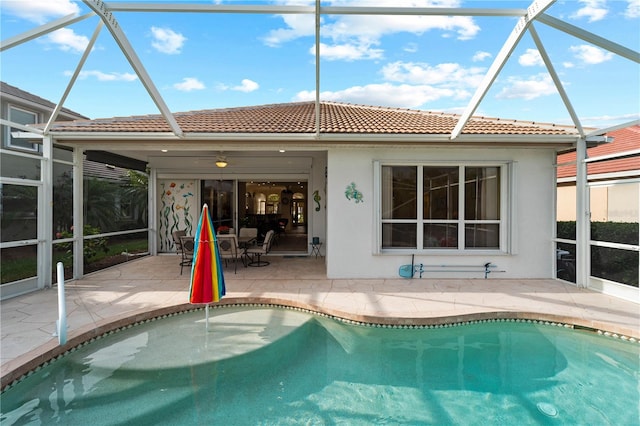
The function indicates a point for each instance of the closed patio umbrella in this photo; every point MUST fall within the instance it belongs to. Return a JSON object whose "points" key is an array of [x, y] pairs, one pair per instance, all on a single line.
{"points": [[207, 279]]}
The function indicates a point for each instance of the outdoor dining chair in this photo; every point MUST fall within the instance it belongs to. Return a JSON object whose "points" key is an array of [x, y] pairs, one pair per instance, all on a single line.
{"points": [[230, 250], [188, 246], [258, 251], [176, 240]]}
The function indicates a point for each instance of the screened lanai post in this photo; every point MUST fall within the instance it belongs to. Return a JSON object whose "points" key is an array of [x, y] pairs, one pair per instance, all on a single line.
{"points": [[78, 209], [582, 216], [152, 212], [535, 9], [45, 216]]}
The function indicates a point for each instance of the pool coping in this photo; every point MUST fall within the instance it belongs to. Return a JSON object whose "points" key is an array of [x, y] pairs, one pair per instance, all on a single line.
{"points": [[27, 363]]}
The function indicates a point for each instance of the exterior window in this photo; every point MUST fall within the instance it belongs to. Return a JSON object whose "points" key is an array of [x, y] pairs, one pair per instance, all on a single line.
{"points": [[21, 116], [399, 206], [482, 207], [441, 207]]}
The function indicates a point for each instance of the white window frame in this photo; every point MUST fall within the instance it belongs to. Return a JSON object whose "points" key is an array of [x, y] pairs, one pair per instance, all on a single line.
{"points": [[32, 147], [507, 231]]}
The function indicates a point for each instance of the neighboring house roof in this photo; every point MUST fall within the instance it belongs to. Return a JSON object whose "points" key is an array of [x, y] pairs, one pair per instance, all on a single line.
{"points": [[624, 140], [340, 118], [104, 171], [11, 92]]}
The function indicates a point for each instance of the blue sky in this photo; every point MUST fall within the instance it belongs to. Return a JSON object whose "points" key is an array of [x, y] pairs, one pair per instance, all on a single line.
{"points": [[203, 60]]}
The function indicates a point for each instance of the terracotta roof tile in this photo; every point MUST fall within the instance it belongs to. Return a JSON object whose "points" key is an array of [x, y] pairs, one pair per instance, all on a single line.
{"points": [[335, 117], [624, 140]]}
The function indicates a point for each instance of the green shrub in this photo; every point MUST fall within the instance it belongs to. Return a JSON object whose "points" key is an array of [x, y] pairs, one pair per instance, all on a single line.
{"points": [[613, 232], [92, 246]]}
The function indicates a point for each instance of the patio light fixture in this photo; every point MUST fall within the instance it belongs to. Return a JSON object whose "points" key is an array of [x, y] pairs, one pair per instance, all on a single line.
{"points": [[221, 162]]}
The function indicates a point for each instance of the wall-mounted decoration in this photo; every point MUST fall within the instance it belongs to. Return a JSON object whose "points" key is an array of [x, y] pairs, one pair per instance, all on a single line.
{"points": [[176, 199], [353, 194], [316, 198]]}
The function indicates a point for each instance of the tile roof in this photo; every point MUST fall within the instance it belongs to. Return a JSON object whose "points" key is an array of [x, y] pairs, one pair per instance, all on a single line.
{"points": [[624, 140], [338, 118]]}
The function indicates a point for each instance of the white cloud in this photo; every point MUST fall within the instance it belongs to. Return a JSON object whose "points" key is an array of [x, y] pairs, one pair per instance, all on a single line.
{"points": [[102, 76], [364, 27], [411, 48], [68, 40], [590, 54], [633, 9], [348, 52], [167, 41], [189, 84], [593, 10], [447, 74], [568, 64], [401, 96], [480, 56], [531, 58], [603, 121], [246, 86], [40, 11], [528, 89], [296, 26], [367, 30]]}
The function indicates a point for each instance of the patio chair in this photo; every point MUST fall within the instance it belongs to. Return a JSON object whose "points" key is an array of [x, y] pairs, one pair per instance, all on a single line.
{"points": [[176, 240], [248, 232], [256, 252], [188, 245], [230, 250]]}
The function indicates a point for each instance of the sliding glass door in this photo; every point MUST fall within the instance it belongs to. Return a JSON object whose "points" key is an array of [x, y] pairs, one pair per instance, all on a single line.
{"points": [[219, 196]]}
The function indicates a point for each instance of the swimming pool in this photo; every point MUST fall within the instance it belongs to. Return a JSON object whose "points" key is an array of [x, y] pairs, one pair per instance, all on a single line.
{"points": [[264, 365]]}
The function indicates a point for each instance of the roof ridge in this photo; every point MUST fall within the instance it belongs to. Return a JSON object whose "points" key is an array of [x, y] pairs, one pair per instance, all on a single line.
{"points": [[446, 114], [243, 107]]}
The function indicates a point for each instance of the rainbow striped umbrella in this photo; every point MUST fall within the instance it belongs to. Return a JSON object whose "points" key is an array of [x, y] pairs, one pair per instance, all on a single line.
{"points": [[207, 279]]}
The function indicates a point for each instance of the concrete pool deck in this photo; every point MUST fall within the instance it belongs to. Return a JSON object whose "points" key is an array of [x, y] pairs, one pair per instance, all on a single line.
{"points": [[152, 286]]}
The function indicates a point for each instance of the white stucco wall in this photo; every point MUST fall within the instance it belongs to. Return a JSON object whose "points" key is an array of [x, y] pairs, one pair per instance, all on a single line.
{"points": [[317, 201], [351, 229]]}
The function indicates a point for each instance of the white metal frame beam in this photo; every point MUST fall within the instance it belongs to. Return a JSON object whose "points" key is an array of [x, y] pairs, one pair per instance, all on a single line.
{"points": [[101, 8], [590, 37], [556, 79], [534, 10], [612, 128], [317, 52], [42, 30], [74, 77], [326, 10]]}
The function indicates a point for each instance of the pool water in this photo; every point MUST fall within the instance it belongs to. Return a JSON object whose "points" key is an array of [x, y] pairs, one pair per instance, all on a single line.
{"points": [[271, 366]]}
